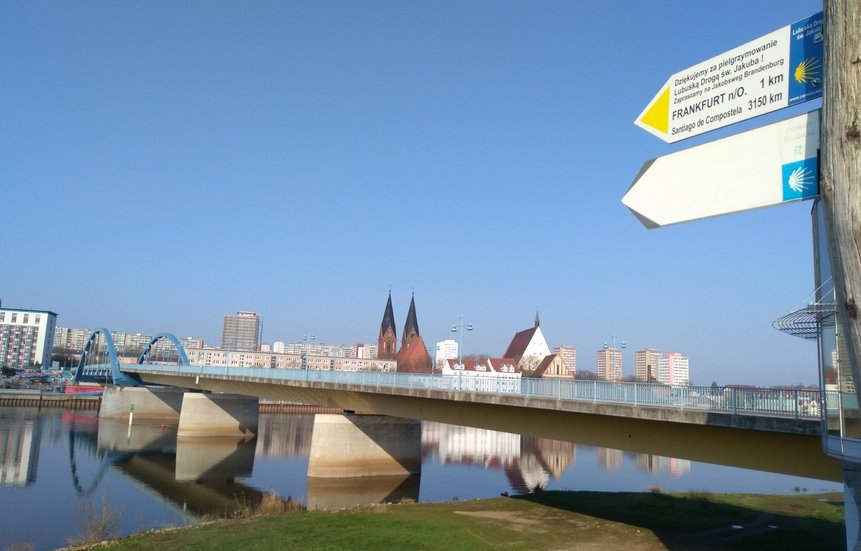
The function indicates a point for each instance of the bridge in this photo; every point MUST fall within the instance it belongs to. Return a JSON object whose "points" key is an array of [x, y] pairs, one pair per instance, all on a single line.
{"points": [[763, 429]]}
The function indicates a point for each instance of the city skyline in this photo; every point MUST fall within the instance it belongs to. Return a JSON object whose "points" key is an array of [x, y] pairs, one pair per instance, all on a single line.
{"points": [[268, 155]]}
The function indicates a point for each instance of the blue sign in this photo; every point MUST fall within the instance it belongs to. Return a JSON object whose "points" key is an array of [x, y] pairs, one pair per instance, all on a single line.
{"points": [[805, 59], [800, 179]]}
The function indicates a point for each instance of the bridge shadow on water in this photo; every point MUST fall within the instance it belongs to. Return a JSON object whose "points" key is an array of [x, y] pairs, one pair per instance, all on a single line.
{"points": [[694, 521]]}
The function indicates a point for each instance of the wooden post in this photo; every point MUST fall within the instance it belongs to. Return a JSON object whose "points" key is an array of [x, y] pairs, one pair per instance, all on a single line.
{"points": [[840, 185]]}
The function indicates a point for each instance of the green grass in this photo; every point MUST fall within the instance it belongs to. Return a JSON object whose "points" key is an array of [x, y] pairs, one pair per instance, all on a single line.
{"points": [[599, 520]]}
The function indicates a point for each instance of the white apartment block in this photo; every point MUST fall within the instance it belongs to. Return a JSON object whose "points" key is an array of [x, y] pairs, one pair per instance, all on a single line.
{"points": [[673, 369], [445, 350], [26, 337]]}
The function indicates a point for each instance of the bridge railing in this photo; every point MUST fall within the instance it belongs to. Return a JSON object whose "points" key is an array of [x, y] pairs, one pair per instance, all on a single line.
{"points": [[775, 402]]}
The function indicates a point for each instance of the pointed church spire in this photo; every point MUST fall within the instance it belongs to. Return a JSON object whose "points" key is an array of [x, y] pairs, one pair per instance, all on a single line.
{"points": [[388, 318], [388, 339], [411, 326], [537, 321]]}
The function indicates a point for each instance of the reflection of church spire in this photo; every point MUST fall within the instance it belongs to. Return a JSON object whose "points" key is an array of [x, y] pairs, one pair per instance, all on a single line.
{"points": [[388, 339], [411, 326]]}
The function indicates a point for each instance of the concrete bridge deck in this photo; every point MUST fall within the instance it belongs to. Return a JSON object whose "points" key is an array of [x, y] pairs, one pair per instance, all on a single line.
{"points": [[714, 429]]}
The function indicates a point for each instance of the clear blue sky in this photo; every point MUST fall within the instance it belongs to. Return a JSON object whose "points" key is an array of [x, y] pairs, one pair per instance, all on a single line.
{"points": [[164, 163]]}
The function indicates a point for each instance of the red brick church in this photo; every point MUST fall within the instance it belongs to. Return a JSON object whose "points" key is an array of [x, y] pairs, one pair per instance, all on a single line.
{"points": [[413, 356]]}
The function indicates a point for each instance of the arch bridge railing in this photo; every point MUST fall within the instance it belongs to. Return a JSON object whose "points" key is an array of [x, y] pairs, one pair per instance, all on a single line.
{"points": [[104, 364], [773, 402]]}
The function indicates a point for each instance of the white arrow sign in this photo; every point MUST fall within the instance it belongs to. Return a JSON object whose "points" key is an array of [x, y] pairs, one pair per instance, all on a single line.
{"points": [[759, 168], [774, 71]]}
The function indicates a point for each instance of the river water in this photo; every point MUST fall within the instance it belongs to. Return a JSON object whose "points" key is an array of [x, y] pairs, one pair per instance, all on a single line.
{"points": [[56, 465]]}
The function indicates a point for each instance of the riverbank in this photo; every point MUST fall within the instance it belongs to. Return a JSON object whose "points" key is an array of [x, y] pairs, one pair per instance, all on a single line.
{"points": [[544, 520], [48, 398]]}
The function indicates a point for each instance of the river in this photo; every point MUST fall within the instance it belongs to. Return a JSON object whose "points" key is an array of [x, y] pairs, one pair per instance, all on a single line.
{"points": [[55, 465]]}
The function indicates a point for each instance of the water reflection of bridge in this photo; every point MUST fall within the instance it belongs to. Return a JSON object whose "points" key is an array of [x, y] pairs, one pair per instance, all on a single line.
{"points": [[204, 476]]}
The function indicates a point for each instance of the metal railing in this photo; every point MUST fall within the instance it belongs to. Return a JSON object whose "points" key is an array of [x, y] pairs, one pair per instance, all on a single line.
{"points": [[773, 402]]}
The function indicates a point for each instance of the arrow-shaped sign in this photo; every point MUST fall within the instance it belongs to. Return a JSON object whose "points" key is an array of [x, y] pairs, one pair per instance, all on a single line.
{"points": [[774, 71], [759, 168]]}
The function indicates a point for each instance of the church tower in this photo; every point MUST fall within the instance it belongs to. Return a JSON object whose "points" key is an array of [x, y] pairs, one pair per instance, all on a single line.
{"points": [[387, 342], [411, 326], [413, 356]]}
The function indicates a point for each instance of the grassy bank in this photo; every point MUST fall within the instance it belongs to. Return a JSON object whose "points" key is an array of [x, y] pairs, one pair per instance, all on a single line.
{"points": [[557, 520]]}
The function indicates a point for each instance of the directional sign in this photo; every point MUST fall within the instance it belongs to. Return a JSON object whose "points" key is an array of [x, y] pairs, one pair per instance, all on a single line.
{"points": [[759, 168], [772, 72]]}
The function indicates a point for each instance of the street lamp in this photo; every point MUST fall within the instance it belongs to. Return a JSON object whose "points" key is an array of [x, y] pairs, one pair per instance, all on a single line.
{"points": [[455, 328], [616, 354]]}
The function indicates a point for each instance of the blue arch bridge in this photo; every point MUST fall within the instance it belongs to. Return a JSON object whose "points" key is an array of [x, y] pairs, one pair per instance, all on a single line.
{"points": [[776, 430]]}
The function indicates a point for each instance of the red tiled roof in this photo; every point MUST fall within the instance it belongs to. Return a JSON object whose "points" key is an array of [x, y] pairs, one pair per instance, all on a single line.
{"points": [[413, 357], [519, 343], [542, 367]]}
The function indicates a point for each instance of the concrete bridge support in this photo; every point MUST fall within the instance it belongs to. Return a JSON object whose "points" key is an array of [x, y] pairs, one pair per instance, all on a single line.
{"points": [[218, 415], [363, 459], [352, 445], [147, 403]]}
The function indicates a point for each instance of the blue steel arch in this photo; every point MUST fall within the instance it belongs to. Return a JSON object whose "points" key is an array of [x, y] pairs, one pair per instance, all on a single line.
{"points": [[180, 350], [118, 377]]}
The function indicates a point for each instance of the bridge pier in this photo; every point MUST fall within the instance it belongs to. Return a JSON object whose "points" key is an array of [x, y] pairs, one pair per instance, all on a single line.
{"points": [[351, 445], [363, 459], [218, 415], [147, 403]]}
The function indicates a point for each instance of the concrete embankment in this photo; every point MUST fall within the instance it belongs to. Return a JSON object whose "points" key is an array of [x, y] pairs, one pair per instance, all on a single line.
{"points": [[50, 399]]}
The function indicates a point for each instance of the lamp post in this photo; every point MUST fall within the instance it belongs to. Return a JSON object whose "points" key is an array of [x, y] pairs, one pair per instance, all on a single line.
{"points": [[615, 353], [455, 328]]}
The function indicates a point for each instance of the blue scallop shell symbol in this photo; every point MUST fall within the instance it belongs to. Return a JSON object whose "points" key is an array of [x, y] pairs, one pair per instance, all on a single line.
{"points": [[800, 179]]}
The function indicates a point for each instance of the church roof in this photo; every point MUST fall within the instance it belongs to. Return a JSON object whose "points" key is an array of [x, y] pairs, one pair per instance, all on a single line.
{"points": [[519, 343], [388, 319], [413, 357], [542, 367], [411, 326]]}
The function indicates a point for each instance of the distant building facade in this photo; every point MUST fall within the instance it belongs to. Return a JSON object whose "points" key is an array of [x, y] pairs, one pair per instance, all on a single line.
{"points": [[569, 357], [26, 337], [445, 350], [242, 331], [609, 364], [673, 369], [646, 365], [551, 367]]}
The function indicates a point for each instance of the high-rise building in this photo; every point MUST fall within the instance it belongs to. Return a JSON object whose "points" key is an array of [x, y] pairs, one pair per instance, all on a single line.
{"points": [[609, 364], [646, 365], [61, 338], [26, 337], [673, 369], [242, 332], [445, 350], [569, 357]]}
